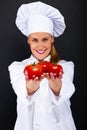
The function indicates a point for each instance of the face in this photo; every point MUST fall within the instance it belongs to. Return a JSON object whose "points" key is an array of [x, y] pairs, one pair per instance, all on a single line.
{"points": [[40, 44]]}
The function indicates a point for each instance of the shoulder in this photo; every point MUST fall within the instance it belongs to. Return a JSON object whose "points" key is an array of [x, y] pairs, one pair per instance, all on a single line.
{"points": [[68, 66], [17, 65], [66, 63]]}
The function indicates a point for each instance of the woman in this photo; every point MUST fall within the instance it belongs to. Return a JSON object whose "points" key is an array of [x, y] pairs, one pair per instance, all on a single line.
{"points": [[42, 104]]}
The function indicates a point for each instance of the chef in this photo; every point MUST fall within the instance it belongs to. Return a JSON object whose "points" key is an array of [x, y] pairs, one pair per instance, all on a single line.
{"points": [[42, 104]]}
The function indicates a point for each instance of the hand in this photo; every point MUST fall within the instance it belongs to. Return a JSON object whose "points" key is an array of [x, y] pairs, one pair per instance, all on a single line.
{"points": [[54, 82], [32, 85]]}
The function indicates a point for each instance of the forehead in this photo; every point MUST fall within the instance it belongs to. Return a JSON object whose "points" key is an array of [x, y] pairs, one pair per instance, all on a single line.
{"points": [[39, 35]]}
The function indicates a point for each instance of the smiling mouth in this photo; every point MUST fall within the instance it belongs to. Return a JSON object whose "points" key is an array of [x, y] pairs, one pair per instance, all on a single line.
{"points": [[40, 51]]}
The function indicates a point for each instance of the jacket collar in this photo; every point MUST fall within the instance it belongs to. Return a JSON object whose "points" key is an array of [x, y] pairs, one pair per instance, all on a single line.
{"points": [[33, 59]]}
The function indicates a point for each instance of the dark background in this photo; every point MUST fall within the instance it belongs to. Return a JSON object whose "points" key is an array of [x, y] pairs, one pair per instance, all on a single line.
{"points": [[71, 46]]}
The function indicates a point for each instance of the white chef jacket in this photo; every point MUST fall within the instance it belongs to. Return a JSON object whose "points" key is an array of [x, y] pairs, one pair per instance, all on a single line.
{"points": [[43, 110]]}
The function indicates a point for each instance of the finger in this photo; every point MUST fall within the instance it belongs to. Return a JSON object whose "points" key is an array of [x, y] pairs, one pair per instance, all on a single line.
{"points": [[60, 75], [26, 77], [52, 76], [47, 75], [25, 73], [42, 76], [33, 76], [36, 78], [55, 75]]}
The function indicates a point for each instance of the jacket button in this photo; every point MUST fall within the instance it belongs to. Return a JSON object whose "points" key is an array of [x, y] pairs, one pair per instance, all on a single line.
{"points": [[36, 126]]}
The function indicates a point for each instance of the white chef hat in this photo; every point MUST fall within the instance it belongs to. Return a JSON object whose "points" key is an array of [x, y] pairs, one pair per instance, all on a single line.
{"points": [[39, 17]]}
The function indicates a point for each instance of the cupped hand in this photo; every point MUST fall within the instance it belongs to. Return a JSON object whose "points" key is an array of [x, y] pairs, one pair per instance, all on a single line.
{"points": [[32, 85], [55, 83]]}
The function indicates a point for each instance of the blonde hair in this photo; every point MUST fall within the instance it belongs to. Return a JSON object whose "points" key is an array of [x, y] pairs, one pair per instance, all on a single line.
{"points": [[54, 55]]}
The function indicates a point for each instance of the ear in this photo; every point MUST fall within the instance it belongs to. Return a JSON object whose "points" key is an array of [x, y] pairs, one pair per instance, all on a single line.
{"points": [[52, 40], [28, 40]]}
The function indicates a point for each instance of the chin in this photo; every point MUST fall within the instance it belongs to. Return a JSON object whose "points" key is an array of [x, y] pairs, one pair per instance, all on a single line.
{"points": [[41, 57]]}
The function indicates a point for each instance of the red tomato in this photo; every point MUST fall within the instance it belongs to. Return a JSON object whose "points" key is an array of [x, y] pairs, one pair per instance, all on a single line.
{"points": [[45, 66], [56, 69], [33, 70], [36, 70]]}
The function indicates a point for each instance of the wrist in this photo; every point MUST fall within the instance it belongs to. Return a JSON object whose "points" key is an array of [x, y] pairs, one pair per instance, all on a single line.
{"points": [[56, 93], [30, 93]]}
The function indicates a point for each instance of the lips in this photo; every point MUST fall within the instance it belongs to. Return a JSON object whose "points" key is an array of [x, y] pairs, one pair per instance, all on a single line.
{"points": [[40, 51]]}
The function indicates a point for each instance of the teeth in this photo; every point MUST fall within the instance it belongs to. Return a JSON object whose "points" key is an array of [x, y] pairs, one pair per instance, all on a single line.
{"points": [[40, 51]]}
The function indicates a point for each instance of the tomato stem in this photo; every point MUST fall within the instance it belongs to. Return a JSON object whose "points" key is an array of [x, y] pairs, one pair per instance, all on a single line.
{"points": [[33, 64]]}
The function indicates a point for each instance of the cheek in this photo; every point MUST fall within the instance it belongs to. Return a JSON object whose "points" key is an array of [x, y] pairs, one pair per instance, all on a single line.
{"points": [[49, 45], [32, 46]]}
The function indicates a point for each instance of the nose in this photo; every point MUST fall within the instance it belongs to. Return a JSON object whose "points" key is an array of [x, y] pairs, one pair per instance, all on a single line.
{"points": [[40, 46]]}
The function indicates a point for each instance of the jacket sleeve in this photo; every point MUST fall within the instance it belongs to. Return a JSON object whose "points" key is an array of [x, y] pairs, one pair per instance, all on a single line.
{"points": [[17, 80], [68, 87]]}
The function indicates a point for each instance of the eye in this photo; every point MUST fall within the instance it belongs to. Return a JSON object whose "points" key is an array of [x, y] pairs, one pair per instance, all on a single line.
{"points": [[45, 39], [34, 40]]}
